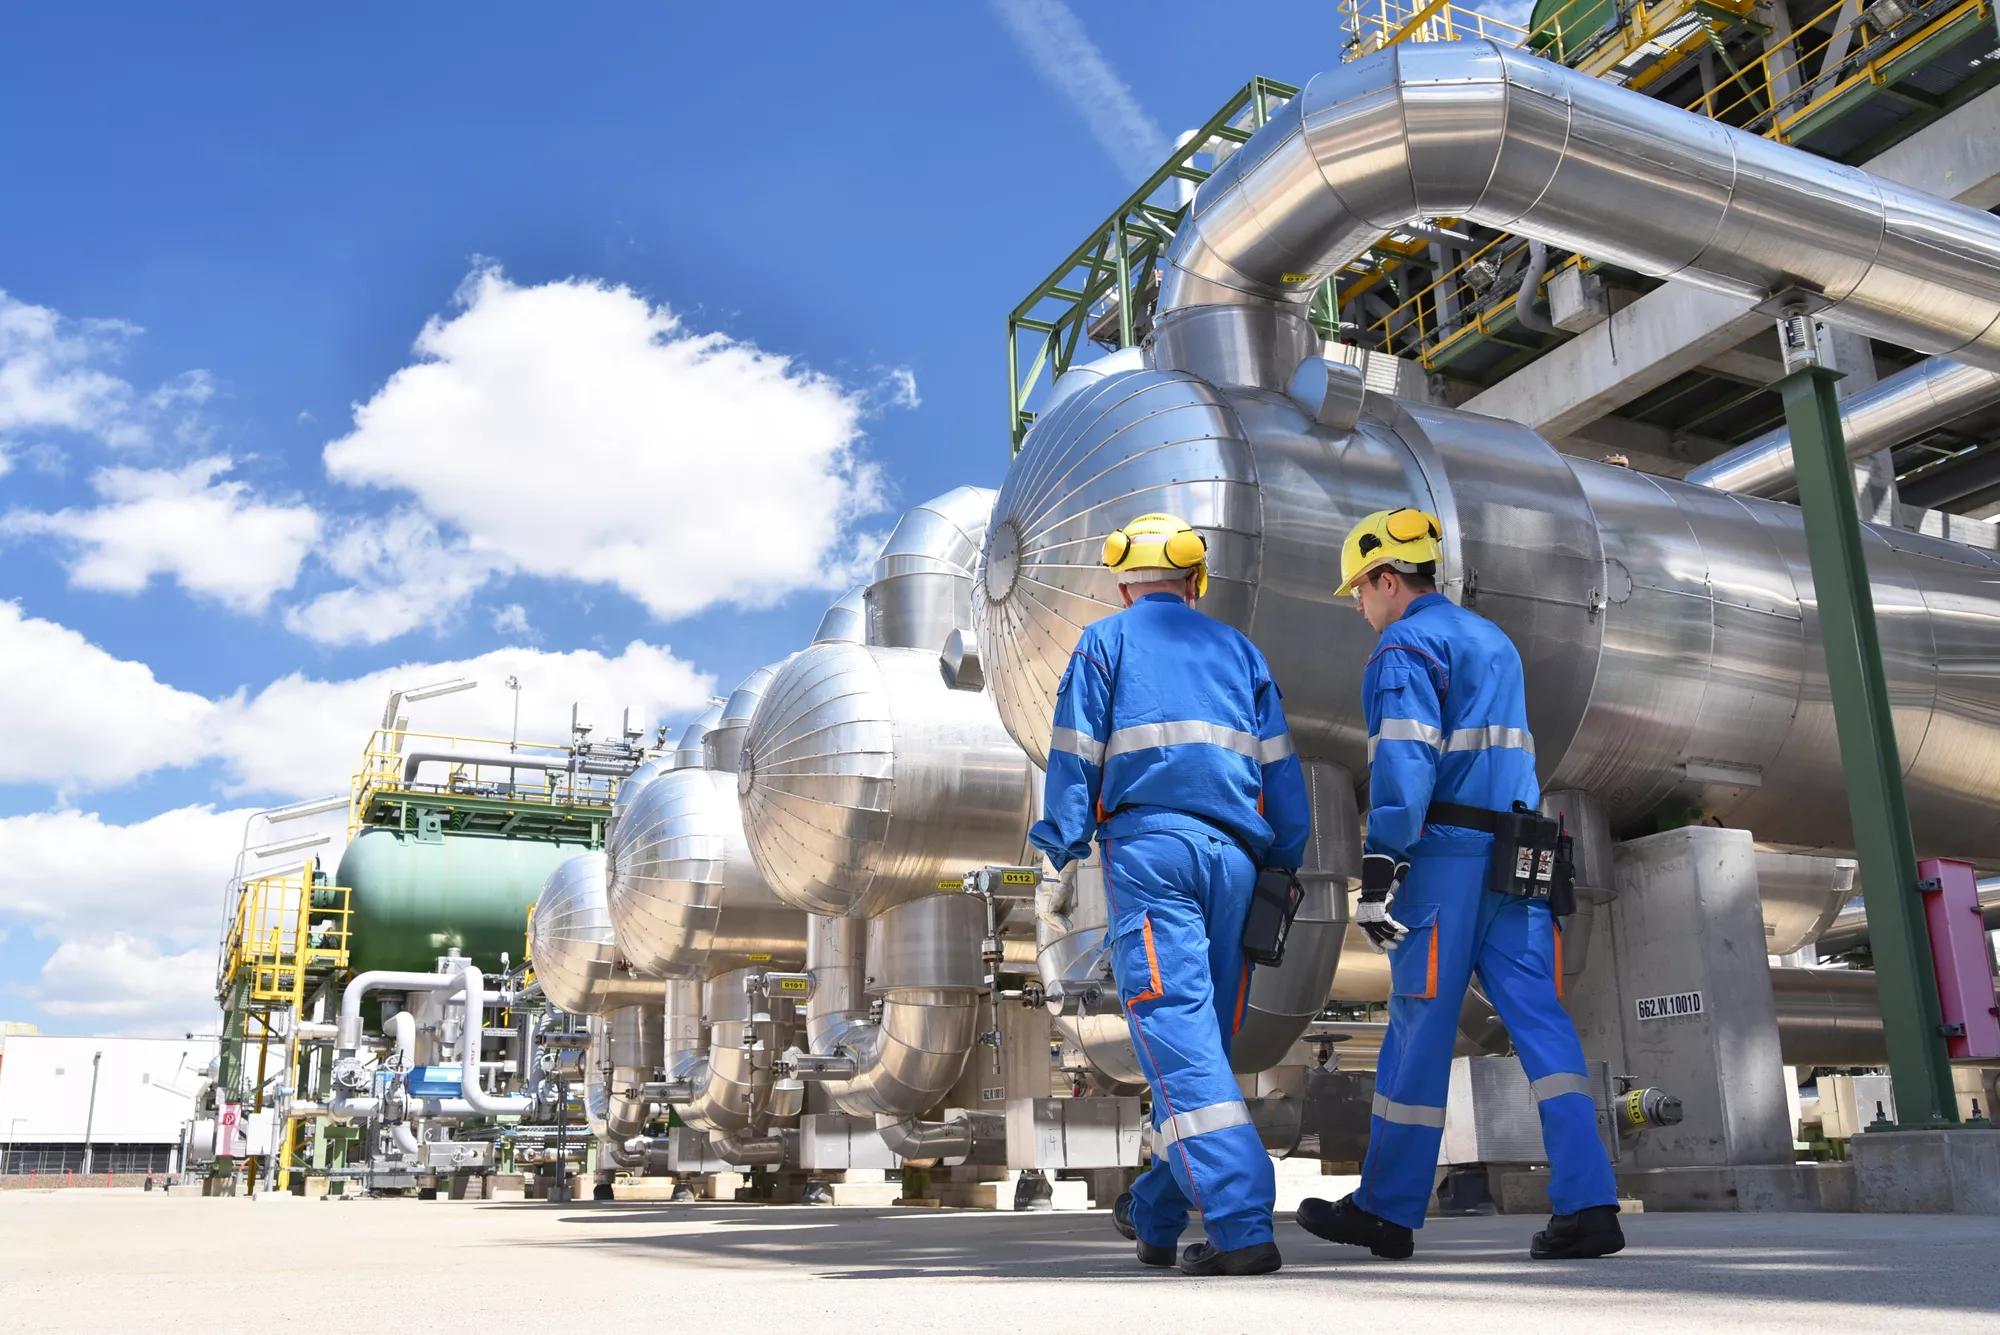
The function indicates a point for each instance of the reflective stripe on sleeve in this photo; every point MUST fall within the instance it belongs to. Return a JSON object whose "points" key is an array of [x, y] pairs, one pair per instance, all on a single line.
{"points": [[1406, 730], [1273, 749], [1407, 1114], [1077, 744]]}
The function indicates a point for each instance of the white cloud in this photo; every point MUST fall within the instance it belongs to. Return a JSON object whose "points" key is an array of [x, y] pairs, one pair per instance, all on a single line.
{"points": [[513, 620], [74, 715], [127, 984], [406, 574], [323, 724], [71, 872], [1053, 39], [575, 430], [52, 377], [214, 537], [6, 460]]}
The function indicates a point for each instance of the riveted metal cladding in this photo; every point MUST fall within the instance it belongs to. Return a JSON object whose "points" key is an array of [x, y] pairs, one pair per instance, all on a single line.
{"points": [[723, 745], [685, 897], [846, 620], [576, 956], [688, 753], [922, 589], [866, 781], [629, 790], [1669, 632]]}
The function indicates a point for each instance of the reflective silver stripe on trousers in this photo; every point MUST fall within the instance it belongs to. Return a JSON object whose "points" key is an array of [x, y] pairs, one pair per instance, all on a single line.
{"points": [[1074, 742], [1408, 1114], [1185, 732], [1555, 1086], [1200, 1121], [1481, 739], [1405, 730]]}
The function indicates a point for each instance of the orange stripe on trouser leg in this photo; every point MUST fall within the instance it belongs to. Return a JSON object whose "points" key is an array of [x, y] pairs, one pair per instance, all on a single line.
{"points": [[1242, 996], [1431, 970], [1153, 990], [1559, 955]]}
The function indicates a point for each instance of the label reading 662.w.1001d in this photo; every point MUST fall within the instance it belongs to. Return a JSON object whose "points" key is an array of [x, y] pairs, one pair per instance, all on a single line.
{"points": [[1673, 1006]]}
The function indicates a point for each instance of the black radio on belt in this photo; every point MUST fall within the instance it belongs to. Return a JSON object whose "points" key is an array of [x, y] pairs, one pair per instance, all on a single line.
{"points": [[1533, 855], [1274, 905]]}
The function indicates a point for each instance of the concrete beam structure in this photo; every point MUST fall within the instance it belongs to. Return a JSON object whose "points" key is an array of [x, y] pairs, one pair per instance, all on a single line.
{"points": [[1676, 328]]}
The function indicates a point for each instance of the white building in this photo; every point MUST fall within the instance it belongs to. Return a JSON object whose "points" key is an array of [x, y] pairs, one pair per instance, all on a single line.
{"points": [[144, 1093]]}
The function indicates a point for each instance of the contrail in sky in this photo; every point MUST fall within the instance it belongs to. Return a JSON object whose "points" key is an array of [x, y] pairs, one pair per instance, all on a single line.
{"points": [[1052, 37]]}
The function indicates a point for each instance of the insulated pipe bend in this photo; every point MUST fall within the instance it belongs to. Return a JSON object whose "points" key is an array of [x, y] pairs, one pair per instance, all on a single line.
{"points": [[963, 1135], [1479, 131]]}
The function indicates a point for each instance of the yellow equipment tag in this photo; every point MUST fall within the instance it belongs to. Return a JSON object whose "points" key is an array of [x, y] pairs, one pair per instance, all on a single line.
{"points": [[1295, 279], [1635, 1107], [951, 885], [792, 985], [758, 959], [1020, 878]]}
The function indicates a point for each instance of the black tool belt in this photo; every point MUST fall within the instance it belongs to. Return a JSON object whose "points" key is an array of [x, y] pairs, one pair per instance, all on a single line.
{"points": [[1533, 855]]}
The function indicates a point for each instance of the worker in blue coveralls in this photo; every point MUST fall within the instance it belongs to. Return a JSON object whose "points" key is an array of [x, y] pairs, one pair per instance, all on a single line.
{"points": [[1170, 749], [1449, 751]]}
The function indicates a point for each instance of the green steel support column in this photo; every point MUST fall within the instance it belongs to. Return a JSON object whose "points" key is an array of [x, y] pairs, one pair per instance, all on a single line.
{"points": [[1911, 1017]]}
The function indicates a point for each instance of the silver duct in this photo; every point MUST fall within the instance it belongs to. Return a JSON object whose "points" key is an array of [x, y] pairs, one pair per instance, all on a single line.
{"points": [[684, 895], [719, 1056], [846, 622], [1850, 927], [629, 790], [1478, 131], [1921, 398], [688, 751], [723, 745], [922, 590], [917, 967], [570, 940]]}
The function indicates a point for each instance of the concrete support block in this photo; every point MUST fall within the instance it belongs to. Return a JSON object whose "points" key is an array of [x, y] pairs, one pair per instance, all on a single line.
{"points": [[1927, 1172], [1069, 1195], [865, 1193], [721, 1186]]}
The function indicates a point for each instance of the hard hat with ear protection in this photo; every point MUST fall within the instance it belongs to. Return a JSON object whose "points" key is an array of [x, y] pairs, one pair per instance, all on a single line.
{"points": [[1159, 542], [1411, 541]]}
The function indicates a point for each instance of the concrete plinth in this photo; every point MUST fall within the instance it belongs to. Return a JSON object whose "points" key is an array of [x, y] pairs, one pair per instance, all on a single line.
{"points": [[1000, 1195], [1746, 1188], [643, 1189], [721, 1186], [865, 1193], [1927, 1172]]}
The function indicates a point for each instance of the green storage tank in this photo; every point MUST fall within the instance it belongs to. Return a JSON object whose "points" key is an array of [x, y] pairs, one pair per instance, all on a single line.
{"points": [[1559, 27], [415, 897]]}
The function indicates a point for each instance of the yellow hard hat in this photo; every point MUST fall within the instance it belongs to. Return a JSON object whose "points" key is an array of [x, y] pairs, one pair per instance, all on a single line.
{"points": [[1159, 542], [1405, 539]]}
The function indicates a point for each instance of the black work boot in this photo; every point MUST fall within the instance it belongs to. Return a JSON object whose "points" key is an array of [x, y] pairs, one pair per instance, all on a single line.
{"points": [[1587, 1233], [1257, 1259], [1121, 1217], [1160, 1258], [1344, 1221]]}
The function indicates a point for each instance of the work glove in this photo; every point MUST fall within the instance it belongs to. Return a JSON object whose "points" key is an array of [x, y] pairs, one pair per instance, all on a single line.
{"points": [[1381, 877]]}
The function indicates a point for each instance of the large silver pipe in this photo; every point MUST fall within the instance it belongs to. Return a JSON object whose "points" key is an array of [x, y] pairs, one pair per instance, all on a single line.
{"points": [[1934, 392], [920, 963], [1850, 928], [724, 742], [1829, 1017], [414, 760], [719, 1055], [1492, 135], [472, 999], [965, 1135], [1670, 633], [690, 751]]}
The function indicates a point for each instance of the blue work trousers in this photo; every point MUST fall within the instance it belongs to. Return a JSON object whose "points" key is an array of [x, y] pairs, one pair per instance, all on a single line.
{"points": [[1456, 925], [1177, 901]]}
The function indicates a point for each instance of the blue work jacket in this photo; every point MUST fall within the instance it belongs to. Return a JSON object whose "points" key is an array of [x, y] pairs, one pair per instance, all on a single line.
{"points": [[1447, 722], [1165, 718]]}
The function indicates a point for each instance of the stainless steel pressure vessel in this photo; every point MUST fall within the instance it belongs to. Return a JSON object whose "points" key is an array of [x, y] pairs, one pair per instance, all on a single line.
{"points": [[575, 955], [1669, 632]]}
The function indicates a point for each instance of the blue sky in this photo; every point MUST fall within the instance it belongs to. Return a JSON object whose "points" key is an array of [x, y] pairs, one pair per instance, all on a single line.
{"points": [[711, 293]]}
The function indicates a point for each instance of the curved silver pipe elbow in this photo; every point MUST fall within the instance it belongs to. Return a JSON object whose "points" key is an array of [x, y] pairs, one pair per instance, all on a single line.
{"points": [[747, 1151], [722, 1077], [910, 1058], [963, 1136], [1493, 135]]}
